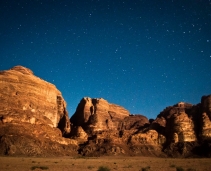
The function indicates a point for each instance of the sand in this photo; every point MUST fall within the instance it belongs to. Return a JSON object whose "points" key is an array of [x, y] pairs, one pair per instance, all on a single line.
{"points": [[112, 163]]}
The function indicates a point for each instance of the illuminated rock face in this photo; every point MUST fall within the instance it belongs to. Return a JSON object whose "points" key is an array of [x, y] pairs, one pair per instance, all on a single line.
{"points": [[176, 124], [27, 98], [206, 117], [34, 121], [98, 115], [33, 116], [184, 128]]}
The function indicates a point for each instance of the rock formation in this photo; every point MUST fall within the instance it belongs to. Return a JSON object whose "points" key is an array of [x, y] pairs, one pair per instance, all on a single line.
{"points": [[34, 122], [134, 122], [96, 115], [206, 118], [32, 115], [27, 98]]}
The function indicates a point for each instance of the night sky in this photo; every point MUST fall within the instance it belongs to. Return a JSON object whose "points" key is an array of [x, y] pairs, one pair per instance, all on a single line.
{"points": [[141, 54]]}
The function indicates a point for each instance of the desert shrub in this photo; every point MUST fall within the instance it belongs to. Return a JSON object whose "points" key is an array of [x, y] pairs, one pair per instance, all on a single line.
{"points": [[39, 167], [179, 169], [103, 168], [145, 168]]}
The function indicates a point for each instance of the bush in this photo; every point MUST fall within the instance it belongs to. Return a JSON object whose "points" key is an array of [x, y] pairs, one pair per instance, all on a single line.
{"points": [[103, 168], [145, 168], [179, 169], [39, 167]]}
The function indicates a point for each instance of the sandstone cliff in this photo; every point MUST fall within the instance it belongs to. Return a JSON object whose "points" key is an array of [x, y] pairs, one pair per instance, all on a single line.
{"points": [[33, 115], [186, 128], [34, 122], [112, 130], [98, 115], [206, 118], [180, 130], [27, 98]]}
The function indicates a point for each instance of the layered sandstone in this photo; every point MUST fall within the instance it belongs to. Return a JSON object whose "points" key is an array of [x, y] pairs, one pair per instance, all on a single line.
{"points": [[176, 124], [98, 115], [27, 98], [33, 116], [34, 122], [206, 118]]}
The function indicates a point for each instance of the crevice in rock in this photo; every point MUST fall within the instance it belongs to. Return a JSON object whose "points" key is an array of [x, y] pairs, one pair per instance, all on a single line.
{"points": [[63, 123]]}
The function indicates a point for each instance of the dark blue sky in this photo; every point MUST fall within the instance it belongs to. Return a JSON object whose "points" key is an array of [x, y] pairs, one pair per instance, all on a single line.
{"points": [[143, 54]]}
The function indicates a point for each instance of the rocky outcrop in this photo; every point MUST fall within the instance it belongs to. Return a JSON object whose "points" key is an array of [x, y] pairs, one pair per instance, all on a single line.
{"points": [[27, 98], [134, 122], [143, 140], [180, 128], [33, 116], [34, 122], [96, 115], [186, 128], [25, 139], [175, 124], [178, 131], [78, 134], [206, 118]]}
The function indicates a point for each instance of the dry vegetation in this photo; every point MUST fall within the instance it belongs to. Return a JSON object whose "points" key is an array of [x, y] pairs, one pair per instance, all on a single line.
{"points": [[104, 164]]}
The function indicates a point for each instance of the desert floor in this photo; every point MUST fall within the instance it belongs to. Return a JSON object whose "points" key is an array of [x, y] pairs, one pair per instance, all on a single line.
{"points": [[112, 163]]}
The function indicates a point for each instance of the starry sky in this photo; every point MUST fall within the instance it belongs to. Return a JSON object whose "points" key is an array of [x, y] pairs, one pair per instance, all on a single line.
{"points": [[144, 55]]}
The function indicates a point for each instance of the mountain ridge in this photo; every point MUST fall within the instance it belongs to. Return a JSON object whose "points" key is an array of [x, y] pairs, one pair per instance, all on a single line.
{"points": [[34, 122]]}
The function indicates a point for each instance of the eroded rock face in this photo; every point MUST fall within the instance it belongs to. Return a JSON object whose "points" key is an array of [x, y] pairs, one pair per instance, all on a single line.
{"points": [[98, 115], [183, 128], [25, 139], [206, 118], [34, 122], [79, 134], [134, 122], [33, 116], [150, 137], [27, 98], [175, 124]]}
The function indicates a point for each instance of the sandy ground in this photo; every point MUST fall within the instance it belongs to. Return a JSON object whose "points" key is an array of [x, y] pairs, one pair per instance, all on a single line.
{"points": [[113, 163]]}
